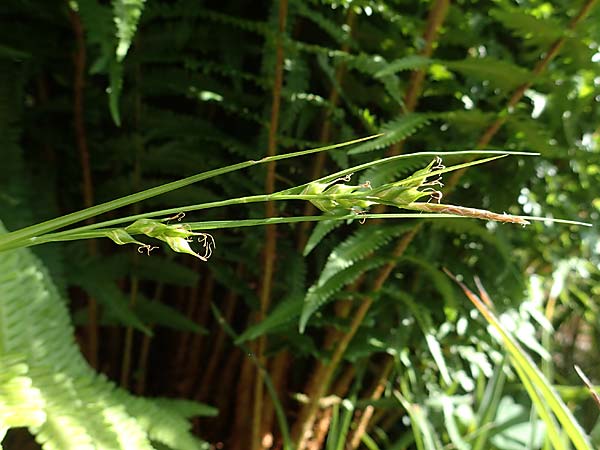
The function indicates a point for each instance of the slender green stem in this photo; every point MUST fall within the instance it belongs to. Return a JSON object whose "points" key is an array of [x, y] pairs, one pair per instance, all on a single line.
{"points": [[87, 233], [73, 235], [28, 236], [377, 162], [69, 219]]}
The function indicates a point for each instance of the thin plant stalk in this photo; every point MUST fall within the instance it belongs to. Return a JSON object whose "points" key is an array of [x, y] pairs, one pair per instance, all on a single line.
{"points": [[270, 247], [295, 193], [8, 241], [79, 61], [287, 443], [325, 134]]}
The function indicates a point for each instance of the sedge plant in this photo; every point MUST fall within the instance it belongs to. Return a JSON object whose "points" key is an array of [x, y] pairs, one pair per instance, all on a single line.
{"points": [[333, 195]]}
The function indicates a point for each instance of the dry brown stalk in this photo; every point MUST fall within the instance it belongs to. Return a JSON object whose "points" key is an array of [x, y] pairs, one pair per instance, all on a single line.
{"points": [[193, 359], [467, 212], [323, 420], [219, 342], [79, 61], [437, 15], [270, 249], [243, 403]]}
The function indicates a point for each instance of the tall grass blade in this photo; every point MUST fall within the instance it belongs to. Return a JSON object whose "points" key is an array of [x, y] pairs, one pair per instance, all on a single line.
{"points": [[542, 393]]}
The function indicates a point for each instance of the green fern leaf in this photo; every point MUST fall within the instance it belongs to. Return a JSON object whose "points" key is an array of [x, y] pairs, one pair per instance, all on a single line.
{"points": [[285, 312], [163, 270], [257, 27], [392, 171], [114, 301], [186, 408], [294, 279], [502, 74], [127, 14], [321, 230], [411, 62], [318, 295], [153, 311], [473, 120], [99, 24], [361, 244], [474, 228], [394, 131], [441, 283], [340, 267], [534, 134], [333, 29], [21, 404], [44, 376], [392, 87]]}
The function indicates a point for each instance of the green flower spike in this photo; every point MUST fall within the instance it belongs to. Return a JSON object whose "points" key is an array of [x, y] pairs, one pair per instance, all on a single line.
{"points": [[329, 205], [177, 236], [404, 192]]}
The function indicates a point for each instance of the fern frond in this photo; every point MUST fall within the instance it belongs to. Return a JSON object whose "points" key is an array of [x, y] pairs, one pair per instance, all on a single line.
{"points": [[345, 263], [321, 230], [319, 294], [394, 131], [127, 14], [474, 228], [411, 62], [153, 311], [99, 24], [539, 32], [21, 404], [534, 135], [394, 170], [295, 275], [258, 27], [62, 400], [502, 74], [285, 312], [467, 120], [440, 281], [361, 244]]}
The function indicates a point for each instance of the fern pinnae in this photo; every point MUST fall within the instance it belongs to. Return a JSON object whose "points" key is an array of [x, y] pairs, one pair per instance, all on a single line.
{"points": [[333, 29], [346, 263], [394, 131], [361, 244], [439, 281], [410, 62], [318, 295], [321, 230], [286, 311], [535, 30], [503, 74], [80, 409], [386, 173]]}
